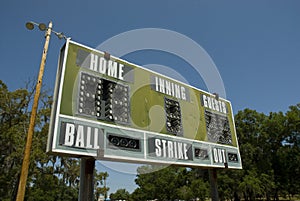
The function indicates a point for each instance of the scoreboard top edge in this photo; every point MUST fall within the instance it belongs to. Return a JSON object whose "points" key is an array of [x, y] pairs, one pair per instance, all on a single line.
{"points": [[111, 57]]}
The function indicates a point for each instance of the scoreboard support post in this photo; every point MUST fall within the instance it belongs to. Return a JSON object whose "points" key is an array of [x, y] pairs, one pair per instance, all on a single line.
{"points": [[213, 177], [213, 184], [86, 191]]}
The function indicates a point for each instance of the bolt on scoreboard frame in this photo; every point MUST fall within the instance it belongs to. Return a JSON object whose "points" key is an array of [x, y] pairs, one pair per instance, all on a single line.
{"points": [[110, 109]]}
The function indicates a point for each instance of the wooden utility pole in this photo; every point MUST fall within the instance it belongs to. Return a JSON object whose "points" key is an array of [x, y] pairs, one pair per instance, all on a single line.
{"points": [[26, 159]]}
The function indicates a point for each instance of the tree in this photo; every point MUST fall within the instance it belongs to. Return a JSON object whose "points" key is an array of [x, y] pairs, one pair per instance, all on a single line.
{"points": [[200, 189], [45, 172], [250, 186], [100, 184], [120, 194], [290, 152], [267, 144], [170, 183], [13, 126], [228, 181], [184, 193], [255, 152], [160, 184]]}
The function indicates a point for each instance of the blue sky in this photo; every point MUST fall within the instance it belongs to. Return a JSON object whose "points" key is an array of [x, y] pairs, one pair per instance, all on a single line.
{"points": [[255, 45]]}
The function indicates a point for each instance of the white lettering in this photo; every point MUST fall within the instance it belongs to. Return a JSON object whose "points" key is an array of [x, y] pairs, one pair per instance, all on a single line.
{"points": [[170, 88], [204, 100], [224, 107], [185, 151], [217, 105], [121, 71], [80, 137], [183, 96], [164, 148], [96, 145], [214, 104], [173, 91], [175, 150], [102, 66], [180, 152], [177, 91], [216, 155], [156, 84], [209, 102], [171, 149], [94, 62], [107, 67], [219, 155], [158, 148], [69, 134], [88, 138], [223, 154], [112, 69], [161, 85]]}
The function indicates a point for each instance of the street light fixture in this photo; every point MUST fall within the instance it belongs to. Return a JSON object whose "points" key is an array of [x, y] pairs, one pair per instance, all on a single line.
{"points": [[25, 165], [30, 25]]}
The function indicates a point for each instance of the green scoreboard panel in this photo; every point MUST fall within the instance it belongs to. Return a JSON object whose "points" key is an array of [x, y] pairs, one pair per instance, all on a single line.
{"points": [[110, 109]]}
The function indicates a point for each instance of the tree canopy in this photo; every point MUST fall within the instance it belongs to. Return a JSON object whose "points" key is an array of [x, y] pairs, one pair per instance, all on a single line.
{"points": [[50, 177]]}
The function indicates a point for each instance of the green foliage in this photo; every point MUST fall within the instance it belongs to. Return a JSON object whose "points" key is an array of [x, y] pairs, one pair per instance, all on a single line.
{"points": [[120, 194], [200, 189], [49, 177], [160, 183], [270, 152], [269, 146], [100, 184], [184, 193], [13, 126], [228, 183], [169, 183]]}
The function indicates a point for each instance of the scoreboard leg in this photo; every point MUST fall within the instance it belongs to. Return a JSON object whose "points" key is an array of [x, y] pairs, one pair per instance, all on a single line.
{"points": [[213, 184], [86, 191]]}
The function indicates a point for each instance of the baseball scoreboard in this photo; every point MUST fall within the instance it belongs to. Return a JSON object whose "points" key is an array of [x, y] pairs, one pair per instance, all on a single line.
{"points": [[111, 109]]}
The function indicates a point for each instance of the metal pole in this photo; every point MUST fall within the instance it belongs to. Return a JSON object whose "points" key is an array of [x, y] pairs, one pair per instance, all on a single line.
{"points": [[86, 190], [26, 159], [213, 184]]}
